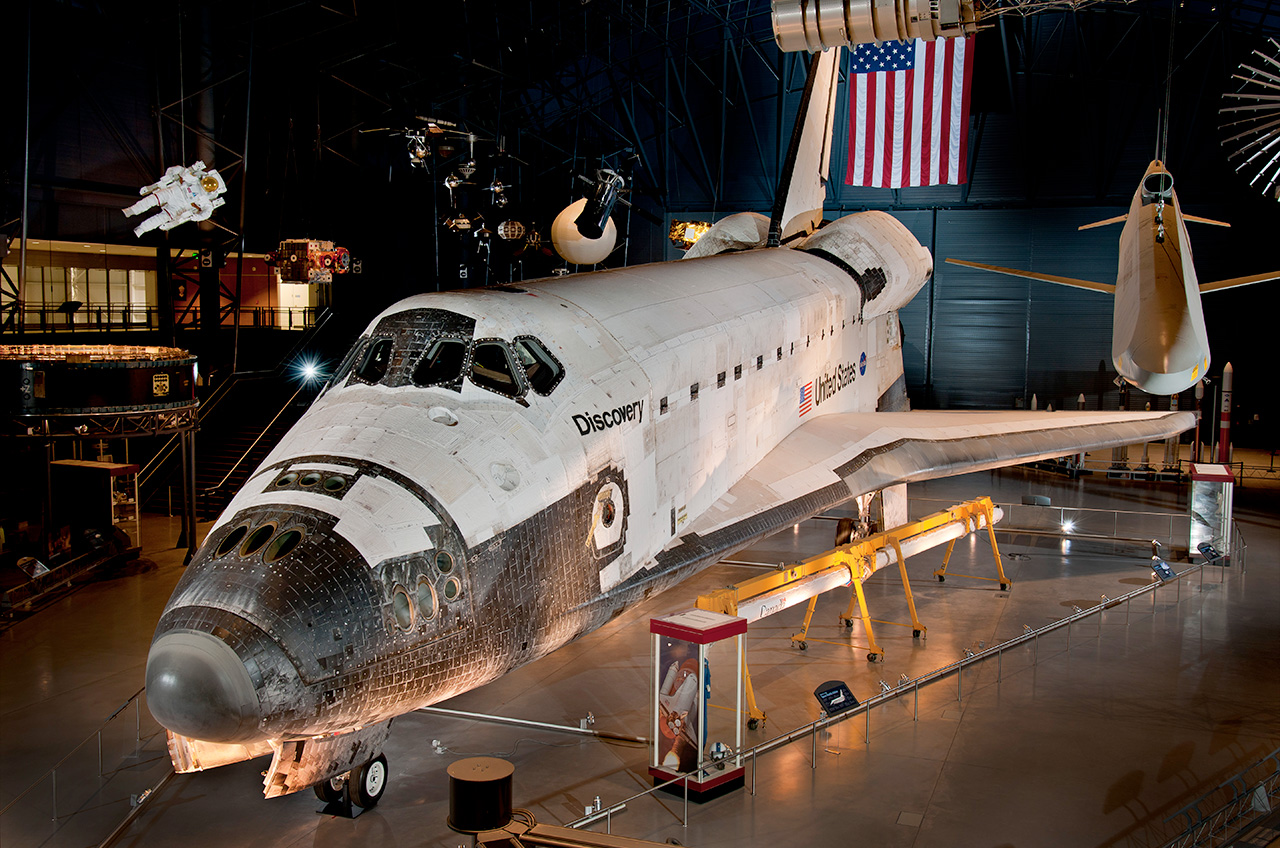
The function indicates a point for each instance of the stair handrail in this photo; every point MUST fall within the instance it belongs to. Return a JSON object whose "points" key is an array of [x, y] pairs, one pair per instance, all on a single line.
{"points": [[166, 450], [253, 444]]}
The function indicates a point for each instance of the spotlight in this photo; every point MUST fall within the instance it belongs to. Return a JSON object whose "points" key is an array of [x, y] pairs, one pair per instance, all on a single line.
{"points": [[1068, 526], [309, 370], [593, 219]]}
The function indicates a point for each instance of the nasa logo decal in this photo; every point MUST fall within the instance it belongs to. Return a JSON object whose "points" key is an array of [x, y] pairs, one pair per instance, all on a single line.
{"points": [[862, 364]]}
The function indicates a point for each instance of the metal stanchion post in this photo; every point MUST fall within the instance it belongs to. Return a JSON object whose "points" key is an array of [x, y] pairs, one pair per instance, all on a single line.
{"points": [[813, 735], [686, 801], [54, 777], [917, 715], [99, 753], [960, 684], [866, 733], [1000, 665], [754, 764]]}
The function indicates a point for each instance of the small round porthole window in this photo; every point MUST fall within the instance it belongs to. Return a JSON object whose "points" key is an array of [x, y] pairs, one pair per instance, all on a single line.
{"points": [[257, 539], [310, 478], [287, 479], [452, 589], [282, 545], [402, 608], [426, 600], [444, 562], [232, 539], [335, 484]]}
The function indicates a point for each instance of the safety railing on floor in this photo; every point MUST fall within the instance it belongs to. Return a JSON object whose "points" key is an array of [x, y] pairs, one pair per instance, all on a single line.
{"points": [[1232, 806], [906, 686], [110, 771], [1171, 529]]}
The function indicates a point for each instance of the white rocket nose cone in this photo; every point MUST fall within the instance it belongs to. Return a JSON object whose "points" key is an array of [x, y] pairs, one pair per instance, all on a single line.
{"points": [[198, 687]]}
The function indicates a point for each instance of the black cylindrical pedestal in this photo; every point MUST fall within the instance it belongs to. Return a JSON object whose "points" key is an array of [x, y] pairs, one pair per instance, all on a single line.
{"points": [[480, 794]]}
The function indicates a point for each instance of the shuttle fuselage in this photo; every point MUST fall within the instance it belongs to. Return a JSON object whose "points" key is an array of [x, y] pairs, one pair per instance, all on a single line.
{"points": [[491, 474]]}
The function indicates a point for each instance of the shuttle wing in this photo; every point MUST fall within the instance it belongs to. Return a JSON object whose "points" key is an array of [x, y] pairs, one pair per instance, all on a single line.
{"points": [[1108, 288], [835, 457]]}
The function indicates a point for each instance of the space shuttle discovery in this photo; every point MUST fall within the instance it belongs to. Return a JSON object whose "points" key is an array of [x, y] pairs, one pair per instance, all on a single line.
{"points": [[490, 474], [1158, 337]]}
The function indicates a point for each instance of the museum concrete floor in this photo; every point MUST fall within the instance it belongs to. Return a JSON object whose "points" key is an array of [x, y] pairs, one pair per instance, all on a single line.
{"points": [[1096, 736]]}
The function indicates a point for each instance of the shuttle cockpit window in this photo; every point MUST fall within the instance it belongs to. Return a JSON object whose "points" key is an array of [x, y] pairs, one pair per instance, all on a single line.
{"points": [[376, 361], [492, 368], [441, 364], [542, 370], [348, 362]]}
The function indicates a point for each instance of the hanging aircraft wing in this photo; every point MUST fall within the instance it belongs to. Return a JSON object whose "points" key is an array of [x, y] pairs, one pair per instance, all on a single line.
{"points": [[1239, 281], [1107, 288], [1119, 219], [836, 457]]}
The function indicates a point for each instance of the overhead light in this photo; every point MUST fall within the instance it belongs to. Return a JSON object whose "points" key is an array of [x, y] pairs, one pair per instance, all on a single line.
{"points": [[1068, 526], [685, 234]]}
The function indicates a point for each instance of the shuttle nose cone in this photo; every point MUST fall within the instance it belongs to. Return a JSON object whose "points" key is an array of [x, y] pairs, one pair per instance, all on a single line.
{"points": [[198, 687]]}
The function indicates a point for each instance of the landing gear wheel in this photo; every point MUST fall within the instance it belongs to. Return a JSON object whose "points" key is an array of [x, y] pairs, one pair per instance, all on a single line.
{"points": [[330, 791], [368, 782], [942, 578], [802, 645], [915, 634], [1004, 587], [847, 622], [753, 723], [872, 657]]}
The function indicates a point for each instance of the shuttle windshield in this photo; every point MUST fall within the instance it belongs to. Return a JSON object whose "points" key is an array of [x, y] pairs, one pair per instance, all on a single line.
{"points": [[442, 363], [492, 369]]}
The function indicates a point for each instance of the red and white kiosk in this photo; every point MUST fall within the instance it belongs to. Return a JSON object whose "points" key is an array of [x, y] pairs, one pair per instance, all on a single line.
{"points": [[698, 659]]}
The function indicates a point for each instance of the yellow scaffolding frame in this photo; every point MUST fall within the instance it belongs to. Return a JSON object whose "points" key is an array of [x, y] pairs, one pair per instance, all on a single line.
{"points": [[858, 559]]}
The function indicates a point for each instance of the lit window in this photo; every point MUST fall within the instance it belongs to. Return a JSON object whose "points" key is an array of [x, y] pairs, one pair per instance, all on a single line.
{"points": [[442, 363], [541, 368], [492, 369]]}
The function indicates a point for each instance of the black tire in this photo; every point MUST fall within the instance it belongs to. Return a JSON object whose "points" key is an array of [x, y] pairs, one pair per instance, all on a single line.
{"points": [[848, 623], [368, 782], [942, 578], [871, 658], [1004, 587], [804, 646], [331, 790], [915, 634], [753, 723]]}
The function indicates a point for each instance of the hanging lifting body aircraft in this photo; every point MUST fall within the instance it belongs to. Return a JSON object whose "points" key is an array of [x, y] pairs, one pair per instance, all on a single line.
{"points": [[1158, 338], [490, 474]]}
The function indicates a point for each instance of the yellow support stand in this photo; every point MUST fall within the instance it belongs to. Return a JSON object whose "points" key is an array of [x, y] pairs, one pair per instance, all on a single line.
{"points": [[857, 560], [984, 509]]}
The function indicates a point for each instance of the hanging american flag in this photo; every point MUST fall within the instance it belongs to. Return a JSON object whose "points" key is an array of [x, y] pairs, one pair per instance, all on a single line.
{"points": [[909, 112], [806, 398]]}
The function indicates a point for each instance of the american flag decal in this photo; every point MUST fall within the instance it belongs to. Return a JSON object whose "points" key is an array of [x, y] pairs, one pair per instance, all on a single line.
{"points": [[806, 398]]}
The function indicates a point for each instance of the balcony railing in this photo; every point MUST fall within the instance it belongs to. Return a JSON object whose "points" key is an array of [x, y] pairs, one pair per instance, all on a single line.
{"points": [[91, 318]]}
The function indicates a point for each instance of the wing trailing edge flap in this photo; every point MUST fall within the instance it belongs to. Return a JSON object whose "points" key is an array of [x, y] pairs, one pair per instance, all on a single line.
{"points": [[1107, 288], [836, 457]]}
